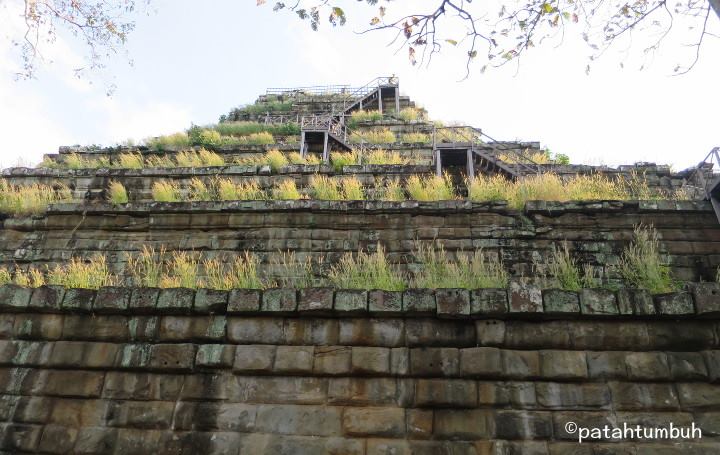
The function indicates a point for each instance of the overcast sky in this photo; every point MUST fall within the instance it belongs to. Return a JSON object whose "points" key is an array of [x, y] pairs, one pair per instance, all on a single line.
{"points": [[193, 63]]}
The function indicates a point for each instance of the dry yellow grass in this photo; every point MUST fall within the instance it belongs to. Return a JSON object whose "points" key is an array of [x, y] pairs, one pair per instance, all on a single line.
{"points": [[30, 199]]}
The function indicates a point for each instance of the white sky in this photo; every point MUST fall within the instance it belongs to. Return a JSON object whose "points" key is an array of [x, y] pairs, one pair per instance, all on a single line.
{"points": [[193, 63]]}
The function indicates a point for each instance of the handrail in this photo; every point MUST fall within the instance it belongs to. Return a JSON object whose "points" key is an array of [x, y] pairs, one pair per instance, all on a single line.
{"points": [[458, 134], [368, 88], [312, 89]]}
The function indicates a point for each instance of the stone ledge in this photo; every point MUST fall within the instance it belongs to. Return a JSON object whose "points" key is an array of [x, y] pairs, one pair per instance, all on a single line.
{"points": [[521, 301], [450, 206]]}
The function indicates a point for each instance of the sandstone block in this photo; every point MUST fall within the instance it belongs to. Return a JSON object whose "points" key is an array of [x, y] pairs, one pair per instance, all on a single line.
{"points": [[635, 301], [47, 299], [481, 362], [14, 297], [374, 422], [20, 437], [332, 360], [433, 332], [525, 298], [557, 301], [523, 425], [210, 301], [351, 301], [571, 396], [177, 357], [67, 383], [140, 414], [279, 301], [143, 300], [255, 330], [488, 302], [254, 358], [434, 361], [687, 366], [243, 301], [80, 300], [399, 361], [370, 360], [521, 364], [372, 332], [419, 302], [607, 365], [563, 364], [647, 366], [143, 328], [707, 298], [112, 299], [143, 386], [418, 423], [699, 396], [103, 327], [490, 332], [385, 302], [598, 302], [452, 303], [311, 331], [316, 300], [293, 359], [675, 303], [57, 439], [175, 301], [363, 391], [464, 424], [518, 394], [215, 356], [445, 392], [644, 396], [95, 440]]}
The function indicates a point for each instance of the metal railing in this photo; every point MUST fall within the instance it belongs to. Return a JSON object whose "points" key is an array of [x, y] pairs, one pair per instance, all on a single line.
{"points": [[337, 89], [361, 92], [327, 123], [456, 135], [280, 119]]}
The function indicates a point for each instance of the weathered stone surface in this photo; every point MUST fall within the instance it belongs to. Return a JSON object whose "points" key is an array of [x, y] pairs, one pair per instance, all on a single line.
{"points": [[143, 300], [452, 303], [490, 332], [635, 301], [112, 299], [464, 424], [14, 297], [177, 357], [210, 301], [332, 360], [80, 300], [385, 302], [243, 301], [419, 302], [279, 300], [521, 364], [294, 359], [175, 300], [250, 358], [434, 361], [525, 298], [687, 366], [488, 302], [319, 300], [557, 301], [374, 422], [428, 332], [351, 301], [445, 392], [607, 365], [647, 366], [675, 303], [481, 361], [563, 364], [370, 360], [706, 297], [47, 298], [598, 302], [215, 356]]}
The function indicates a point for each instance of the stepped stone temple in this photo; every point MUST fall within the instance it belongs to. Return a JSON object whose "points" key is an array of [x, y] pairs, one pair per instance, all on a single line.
{"points": [[205, 292]]}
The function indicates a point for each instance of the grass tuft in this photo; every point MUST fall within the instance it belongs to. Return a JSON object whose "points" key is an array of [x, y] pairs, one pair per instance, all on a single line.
{"points": [[415, 138], [241, 274], [391, 190], [276, 159], [91, 274], [30, 199], [383, 136], [286, 190], [469, 271], [131, 161], [117, 194], [366, 271], [242, 191], [641, 264], [325, 188], [166, 191], [409, 114], [430, 188], [342, 159]]}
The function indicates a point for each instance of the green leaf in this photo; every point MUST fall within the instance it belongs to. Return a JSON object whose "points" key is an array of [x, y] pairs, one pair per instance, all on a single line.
{"points": [[547, 8], [451, 41]]}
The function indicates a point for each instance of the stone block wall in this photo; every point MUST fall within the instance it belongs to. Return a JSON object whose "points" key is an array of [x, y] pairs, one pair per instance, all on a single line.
{"points": [[318, 371], [596, 231]]}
